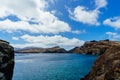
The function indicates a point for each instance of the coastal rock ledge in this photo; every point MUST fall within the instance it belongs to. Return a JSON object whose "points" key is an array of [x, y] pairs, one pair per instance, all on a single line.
{"points": [[6, 60], [107, 66]]}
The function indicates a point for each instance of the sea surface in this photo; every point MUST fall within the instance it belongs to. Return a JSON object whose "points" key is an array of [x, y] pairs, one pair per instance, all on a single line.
{"points": [[48, 66]]}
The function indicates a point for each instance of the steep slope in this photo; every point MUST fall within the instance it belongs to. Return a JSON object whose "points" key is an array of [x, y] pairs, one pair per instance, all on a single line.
{"points": [[6, 60], [107, 66]]}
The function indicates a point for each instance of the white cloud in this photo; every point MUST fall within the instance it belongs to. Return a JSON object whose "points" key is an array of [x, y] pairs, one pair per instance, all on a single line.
{"points": [[78, 31], [31, 10], [15, 38], [100, 3], [23, 8], [113, 35], [55, 27], [113, 22], [49, 41], [82, 14]]}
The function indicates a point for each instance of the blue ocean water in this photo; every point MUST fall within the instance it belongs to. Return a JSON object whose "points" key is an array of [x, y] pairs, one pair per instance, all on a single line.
{"points": [[52, 66]]}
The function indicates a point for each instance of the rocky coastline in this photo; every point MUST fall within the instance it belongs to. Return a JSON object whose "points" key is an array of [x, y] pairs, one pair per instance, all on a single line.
{"points": [[6, 60], [94, 47], [90, 47], [106, 67]]}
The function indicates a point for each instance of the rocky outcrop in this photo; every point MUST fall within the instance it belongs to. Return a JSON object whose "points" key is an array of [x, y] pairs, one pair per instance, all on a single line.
{"points": [[94, 47], [56, 49], [107, 66], [6, 60]]}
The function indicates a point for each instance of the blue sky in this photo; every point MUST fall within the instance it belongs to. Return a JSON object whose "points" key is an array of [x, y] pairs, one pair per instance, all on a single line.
{"points": [[64, 23]]}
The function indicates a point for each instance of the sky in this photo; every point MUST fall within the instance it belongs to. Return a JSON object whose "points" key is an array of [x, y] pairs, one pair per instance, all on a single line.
{"points": [[64, 23]]}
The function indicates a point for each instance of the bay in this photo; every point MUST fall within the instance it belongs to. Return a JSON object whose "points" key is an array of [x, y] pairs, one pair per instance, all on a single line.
{"points": [[49, 66]]}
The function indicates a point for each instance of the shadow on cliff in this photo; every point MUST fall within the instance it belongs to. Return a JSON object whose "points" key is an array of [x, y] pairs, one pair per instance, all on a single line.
{"points": [[6, 60]]}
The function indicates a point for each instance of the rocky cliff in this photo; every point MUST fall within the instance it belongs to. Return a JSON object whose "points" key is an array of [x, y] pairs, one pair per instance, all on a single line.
{"points": [[56, 49], [6, 61], [94, 47], [107, 66]]}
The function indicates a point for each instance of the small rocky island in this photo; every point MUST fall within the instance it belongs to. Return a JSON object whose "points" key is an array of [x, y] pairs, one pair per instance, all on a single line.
{"points": [[6, 60]]}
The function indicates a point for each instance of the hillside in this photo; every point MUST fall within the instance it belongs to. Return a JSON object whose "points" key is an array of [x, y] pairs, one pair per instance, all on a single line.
{"points": [[56, 49], [91, 47], [94, 47]]}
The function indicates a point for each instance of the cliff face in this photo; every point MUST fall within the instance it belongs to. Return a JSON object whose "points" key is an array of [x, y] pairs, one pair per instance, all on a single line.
{"points": [[6, 61], [56, 49], [94, 47], [107, 66]]}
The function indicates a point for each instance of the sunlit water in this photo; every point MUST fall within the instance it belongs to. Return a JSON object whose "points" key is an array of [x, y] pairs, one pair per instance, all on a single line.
{"points": [[52, 66]]}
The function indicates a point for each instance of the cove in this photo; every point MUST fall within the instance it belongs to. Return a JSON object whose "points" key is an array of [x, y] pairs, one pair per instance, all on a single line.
{"points": [[49, 66]]}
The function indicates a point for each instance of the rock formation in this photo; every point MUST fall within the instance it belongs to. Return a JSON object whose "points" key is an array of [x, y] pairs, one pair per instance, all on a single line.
{"points": [[56, 49], [107, 66], [6, 60], [94, 47]]}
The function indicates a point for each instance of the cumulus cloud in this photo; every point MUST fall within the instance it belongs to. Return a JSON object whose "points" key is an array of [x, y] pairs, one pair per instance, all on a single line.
{"points": [[113, 35], [34, 11], [113, 22], [48, 41], [55, 27], [82, 14], [22, 8]]}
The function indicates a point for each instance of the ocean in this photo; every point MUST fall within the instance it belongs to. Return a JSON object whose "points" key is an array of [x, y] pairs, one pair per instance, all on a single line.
{"points": [[52, 66]]}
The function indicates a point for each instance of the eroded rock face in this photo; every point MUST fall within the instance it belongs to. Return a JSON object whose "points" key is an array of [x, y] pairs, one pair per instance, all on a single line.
{"points": [[6, 61], [94, 47], [107, 66]]}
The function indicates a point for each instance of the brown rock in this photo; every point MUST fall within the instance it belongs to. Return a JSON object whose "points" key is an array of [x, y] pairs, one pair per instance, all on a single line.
{"points": [[94, 47], [107, 66]]}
